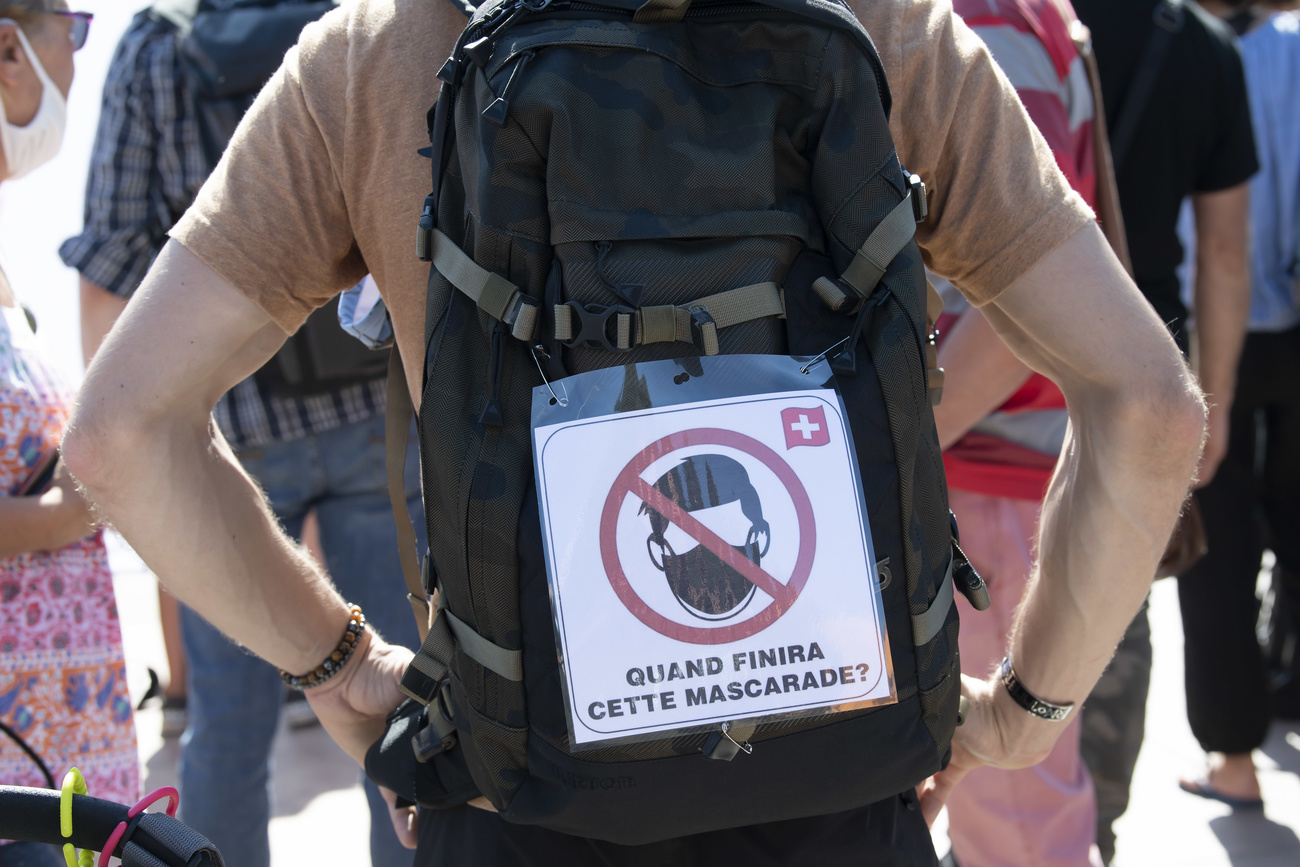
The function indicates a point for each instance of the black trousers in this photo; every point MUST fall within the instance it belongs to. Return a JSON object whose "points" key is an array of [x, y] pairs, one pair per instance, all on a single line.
{"points": [[890, 833], [1252, 503]]}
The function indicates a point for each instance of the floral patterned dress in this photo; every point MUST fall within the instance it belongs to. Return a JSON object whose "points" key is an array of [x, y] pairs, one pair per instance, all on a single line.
{"points": [[62, 674]]}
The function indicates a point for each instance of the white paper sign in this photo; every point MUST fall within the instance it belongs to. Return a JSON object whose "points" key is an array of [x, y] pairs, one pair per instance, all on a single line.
{"points": [[710, 562]]}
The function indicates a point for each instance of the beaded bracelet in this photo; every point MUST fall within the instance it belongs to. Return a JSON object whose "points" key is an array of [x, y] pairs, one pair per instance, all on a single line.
{"points": [[333, 663]]}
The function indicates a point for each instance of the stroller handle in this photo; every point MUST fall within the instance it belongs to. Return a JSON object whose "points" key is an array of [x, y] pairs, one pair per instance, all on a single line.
{"points": [[33, 815]]}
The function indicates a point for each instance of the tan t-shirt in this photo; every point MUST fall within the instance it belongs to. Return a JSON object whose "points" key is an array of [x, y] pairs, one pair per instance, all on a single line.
{"points": [[323, 181]]}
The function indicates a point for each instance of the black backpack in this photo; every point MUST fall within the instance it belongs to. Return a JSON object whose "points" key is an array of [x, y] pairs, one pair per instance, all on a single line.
{"points": [[634, 181], [227, 52]]}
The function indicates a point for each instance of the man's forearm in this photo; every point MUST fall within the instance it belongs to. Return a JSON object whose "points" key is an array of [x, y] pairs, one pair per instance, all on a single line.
{"points": [[1136, 424], [142, 444]]}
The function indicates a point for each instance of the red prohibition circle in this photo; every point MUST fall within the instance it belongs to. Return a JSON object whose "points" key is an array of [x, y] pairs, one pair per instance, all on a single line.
{"points": [[629, 481]]}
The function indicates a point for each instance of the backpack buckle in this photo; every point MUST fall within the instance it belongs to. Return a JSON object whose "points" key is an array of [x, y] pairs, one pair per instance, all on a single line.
{"points": [[437, 732], [920, 202], [593, 326]]}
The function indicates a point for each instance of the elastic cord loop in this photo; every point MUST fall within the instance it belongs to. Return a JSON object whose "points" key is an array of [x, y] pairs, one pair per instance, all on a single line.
{"points": [[173, 801], [73, 784]]}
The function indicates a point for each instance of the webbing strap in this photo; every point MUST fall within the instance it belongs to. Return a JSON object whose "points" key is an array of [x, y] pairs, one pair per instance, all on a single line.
{"points": [[668, 323], [397, 424], [661, 10], [495, 295], [926, 626], [424, 676], [882, 245], [507, 663], [871, 261]]}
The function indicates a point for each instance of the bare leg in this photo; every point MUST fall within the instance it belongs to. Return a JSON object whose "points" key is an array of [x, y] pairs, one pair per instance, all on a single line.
{"points": [[1232, 774]]}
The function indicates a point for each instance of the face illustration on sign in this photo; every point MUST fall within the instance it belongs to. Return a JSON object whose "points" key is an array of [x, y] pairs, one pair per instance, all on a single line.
{"points": [[687, 541], [717, 491]]}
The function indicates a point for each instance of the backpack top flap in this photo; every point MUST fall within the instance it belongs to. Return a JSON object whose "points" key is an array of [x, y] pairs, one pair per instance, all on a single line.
{"points": [[833, 13]]}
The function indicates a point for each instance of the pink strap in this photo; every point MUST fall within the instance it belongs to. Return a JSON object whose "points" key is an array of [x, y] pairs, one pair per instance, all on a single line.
{"points": [[173, 801]]}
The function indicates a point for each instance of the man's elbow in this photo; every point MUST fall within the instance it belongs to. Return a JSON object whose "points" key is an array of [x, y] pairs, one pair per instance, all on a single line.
{"points": [[1166, 412], [96, 439]]}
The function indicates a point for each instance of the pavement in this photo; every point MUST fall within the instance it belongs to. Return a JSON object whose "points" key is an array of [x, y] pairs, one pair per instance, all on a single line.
{"points": [[316, 786]]}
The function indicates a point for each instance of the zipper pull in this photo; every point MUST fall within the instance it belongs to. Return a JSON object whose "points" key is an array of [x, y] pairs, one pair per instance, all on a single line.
{"points": [[424, 233], [628, 293], [500, 107], [846, 363]]}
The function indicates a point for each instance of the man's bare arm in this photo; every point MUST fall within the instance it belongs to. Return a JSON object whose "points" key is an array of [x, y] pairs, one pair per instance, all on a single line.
{"points": [[142, 444], [1136, 427], [99, 310], [980, 374], [1222, 305]]}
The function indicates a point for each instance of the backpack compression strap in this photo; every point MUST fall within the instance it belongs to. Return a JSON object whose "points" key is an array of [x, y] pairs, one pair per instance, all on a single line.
{"points": [[495, 295], [697, 322], [871, 261]]}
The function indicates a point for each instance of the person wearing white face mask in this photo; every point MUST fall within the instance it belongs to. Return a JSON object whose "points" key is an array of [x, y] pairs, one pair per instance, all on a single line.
{"points": [[63, 696]]}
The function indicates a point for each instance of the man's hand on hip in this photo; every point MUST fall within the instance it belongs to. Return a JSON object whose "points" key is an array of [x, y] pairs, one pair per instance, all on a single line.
{"points": [[997, 732], [353, 705]]}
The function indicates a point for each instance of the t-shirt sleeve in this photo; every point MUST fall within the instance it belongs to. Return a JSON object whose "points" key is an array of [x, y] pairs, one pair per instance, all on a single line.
{"points": [[1230, 158], [998, 200], [273, 219]]}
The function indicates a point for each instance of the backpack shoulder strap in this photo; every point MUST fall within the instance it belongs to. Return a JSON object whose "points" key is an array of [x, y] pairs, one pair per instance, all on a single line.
{"points": [[397, 421]]}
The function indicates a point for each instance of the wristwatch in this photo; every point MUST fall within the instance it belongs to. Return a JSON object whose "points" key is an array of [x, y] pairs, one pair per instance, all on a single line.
{"points": [[1026, 699]]}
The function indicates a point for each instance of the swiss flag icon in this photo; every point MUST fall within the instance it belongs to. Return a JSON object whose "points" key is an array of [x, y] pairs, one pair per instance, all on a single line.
{"points": [[805, 427]]}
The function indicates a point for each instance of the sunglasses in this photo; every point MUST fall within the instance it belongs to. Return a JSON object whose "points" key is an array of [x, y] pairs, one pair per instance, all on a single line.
{"points": [[80, 26]]}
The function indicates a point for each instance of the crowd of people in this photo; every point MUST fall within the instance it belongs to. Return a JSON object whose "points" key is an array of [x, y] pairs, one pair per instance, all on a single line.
{"points": [[1068, 412]]}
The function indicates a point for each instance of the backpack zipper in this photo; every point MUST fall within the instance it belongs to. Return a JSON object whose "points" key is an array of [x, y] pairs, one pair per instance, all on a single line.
{"points": [[491, 415], [499, 110]]}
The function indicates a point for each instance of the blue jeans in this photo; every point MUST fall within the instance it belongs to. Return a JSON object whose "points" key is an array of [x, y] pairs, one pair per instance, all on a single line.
{"points": [[234, 697], [25, 854]]}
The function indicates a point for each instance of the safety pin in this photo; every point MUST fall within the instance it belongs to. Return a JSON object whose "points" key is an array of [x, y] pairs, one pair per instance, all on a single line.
{"points": [[823, 356], [539, 352], [726, 733]]}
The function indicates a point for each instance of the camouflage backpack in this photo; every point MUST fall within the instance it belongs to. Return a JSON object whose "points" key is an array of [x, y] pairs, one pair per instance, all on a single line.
{"points": [[635, 181]]}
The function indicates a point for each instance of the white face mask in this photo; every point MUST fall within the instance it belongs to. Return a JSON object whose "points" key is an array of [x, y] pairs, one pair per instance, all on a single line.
{"points": [[28, 147]]}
